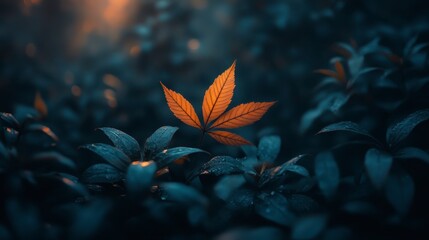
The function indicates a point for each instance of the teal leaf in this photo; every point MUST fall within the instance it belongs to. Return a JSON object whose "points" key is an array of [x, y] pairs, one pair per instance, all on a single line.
{"points": [[110, 154], [123, 141], [377, 165], [168, 156], [139, 177], [398, 131], [269, 148], [158, 141], [102, 173], [327, 173]]}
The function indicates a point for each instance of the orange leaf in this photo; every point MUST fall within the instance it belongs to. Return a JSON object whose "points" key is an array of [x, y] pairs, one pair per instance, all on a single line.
{"points": [[242, 115], [182, 160], [340, 71], [342, 51], [181, 108], [229, 138], [218, 96], [40, 105], [394, 58], [327, 72]]}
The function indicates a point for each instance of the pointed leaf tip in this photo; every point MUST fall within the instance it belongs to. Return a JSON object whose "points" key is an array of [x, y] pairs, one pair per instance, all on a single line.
{"points": [[219, 95], [158, 141], [40, 105], [181, 107], [327, 72], [123, 141], [229, 138], [340, 72]]}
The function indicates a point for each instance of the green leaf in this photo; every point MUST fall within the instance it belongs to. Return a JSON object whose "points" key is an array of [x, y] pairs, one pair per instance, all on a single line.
{"points": [[327, 173], [398, 131], [360, 208], [409, 46], [269, 148], [110, 154], [377, 165], [168, 156], [43, 129], [276, 173], [139, 177], [242, 198], [102, 173], [9, 120], [222, 165], [412, 153], [53, 158], [89, 219], [347, 126], [302, 204], [227, 185], [22, 215], [309, 227], [180, 193], [274, 207], [72, 183], [158, 141], [123, 141], [400, 192], [10, 136]]}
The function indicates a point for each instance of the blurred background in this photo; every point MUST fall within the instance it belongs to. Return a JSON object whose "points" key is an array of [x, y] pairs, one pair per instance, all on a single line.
{"points": [[99, 63]]}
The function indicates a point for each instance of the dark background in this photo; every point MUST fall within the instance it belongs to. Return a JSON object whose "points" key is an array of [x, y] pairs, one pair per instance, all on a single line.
{"points": [[56, 46], [99, 63]]}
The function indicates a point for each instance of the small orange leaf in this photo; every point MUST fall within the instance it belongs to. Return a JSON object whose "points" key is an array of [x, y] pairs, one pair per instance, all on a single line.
{"points": [[229, 138], [394, 58], [182, 160], [242, 115], [342, 51], [327, 72], [340, 71], [162, 171], [218, 96], [216, 100], [40, 105], [181, 108]]}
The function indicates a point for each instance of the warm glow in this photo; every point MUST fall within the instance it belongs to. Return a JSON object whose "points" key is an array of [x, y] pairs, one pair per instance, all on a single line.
{"points": [[76, 91], [193, 44], [116, 12], [142, 164], [67, 181], [28, 4], [110, 98], [112, 81], [105, 18], [134, 50]]}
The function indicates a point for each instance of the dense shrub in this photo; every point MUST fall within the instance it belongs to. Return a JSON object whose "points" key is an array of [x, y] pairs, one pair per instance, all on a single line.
{"points": [[343, 154]]}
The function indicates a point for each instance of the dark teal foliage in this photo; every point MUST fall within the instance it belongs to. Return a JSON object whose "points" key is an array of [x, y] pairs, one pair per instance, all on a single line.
{"points": [[344, 154]]}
